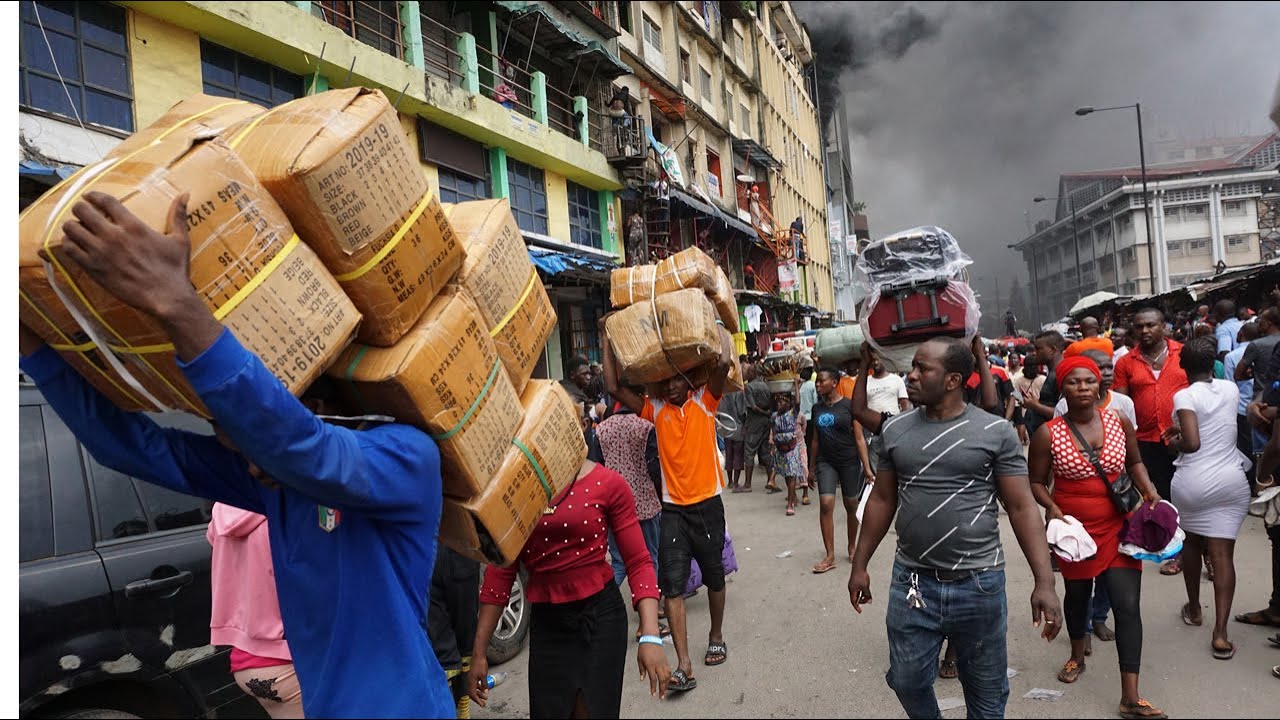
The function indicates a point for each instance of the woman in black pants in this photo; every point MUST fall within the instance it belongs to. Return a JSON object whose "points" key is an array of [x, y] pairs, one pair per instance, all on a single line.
{"points": [[1061, 451]]}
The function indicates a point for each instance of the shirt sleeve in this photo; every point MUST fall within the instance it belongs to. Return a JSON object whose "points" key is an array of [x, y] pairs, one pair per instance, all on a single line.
{"points": [[1009, 460], [498, 581], [1183, 400], [390, 471], [708, 400], [884, 453], [1121, 379], [648, 411], [1225, 339], [621, 510], [1061, 408], [902, 388], [1250, 356], [133, 444]]}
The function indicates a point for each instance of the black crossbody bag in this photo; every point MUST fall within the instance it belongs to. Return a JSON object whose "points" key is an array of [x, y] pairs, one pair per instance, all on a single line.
{"points": [[1124, 496]]}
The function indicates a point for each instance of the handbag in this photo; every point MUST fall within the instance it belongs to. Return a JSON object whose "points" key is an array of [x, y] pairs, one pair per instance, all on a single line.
{"points": [[1124, 496]]}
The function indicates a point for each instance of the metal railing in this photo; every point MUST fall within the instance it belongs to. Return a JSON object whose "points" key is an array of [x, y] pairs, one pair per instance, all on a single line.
{"points": [[511, 87], [376, 24], [440, 56], [560, 112], [625, 140]]}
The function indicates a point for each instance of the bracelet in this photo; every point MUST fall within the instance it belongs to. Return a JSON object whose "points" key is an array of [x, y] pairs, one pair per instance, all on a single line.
{"points": [[650, 640]]}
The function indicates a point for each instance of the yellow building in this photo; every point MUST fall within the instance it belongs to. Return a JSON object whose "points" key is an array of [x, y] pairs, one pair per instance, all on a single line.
{"points": [[500, 99]]}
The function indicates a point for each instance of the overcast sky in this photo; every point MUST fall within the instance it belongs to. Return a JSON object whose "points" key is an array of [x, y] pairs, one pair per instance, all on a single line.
{"points": [[961, 113]]}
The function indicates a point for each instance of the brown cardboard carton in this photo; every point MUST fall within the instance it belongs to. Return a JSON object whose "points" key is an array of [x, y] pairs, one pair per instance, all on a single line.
{"points": [[199, 116], [685, 336], [689, 268], [506, 513], [732, 383], [445, 378], [246, 263], [498, 274], [340, 166], [459, 532]]}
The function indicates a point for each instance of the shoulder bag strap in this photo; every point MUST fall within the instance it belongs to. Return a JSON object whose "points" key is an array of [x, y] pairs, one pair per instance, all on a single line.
{"points": [[1089, 452]]}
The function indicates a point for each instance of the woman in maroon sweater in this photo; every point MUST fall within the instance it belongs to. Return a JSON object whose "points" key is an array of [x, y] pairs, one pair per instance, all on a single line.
{"points": [[578, 628]]}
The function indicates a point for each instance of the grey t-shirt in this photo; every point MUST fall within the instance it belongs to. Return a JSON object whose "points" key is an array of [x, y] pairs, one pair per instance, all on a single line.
{"points": [[1258, 355], [947, 511]]}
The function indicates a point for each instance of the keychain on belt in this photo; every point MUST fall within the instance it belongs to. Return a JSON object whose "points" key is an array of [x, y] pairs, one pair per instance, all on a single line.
{"points": [[914, 599]]}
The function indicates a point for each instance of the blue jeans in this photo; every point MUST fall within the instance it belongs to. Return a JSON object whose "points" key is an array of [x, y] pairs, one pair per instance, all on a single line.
{"points": [[649, 528], [973, 613], [1099, 606]]}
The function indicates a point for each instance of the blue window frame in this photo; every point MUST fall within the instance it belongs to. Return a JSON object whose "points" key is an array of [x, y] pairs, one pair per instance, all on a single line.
{"points": [[456, 187], [74, 61], [528, 187], [227, 73], [584, 216]]}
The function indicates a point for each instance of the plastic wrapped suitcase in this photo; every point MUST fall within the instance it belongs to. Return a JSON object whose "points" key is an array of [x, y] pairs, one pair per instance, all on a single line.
{"points": [[911, 287]]}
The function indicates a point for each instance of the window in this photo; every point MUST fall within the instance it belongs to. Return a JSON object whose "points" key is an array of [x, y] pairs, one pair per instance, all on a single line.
{"points": [[728, 106], [713, 174], [116, 501], [528, 196], [1234, 207], [1196, 212], [1173, 214], [746, 120], [704, 82], [90, 53], [1123, 222], [228, 73], [624, 16], [376, 24], [1238, 243], [1174, 247], [684, 68], [35, 506], [584, 216], [652, 33], [1128, 255], [1199, 246], [456, 187], [740, 45], [171, 510]]}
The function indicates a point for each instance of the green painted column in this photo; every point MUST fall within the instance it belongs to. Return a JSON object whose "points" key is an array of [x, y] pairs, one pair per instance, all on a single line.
{"points": [[498, 172], [538, 87], [584, 130], [303, 5], [317, 83], [411, 32], [608, 241], [494, 48], [470, 66]]}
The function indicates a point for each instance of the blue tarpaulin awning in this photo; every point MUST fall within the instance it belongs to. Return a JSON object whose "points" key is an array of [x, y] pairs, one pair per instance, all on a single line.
{"points": [[555, 262], [44, 173]]}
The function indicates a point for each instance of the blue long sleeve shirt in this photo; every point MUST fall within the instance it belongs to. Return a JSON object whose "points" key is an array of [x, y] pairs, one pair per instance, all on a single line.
{"points": [[353, 521]]}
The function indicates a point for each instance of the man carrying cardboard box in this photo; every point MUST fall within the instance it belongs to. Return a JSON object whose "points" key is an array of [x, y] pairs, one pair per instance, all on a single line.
{"points": [[352, 515], [693, 524]]}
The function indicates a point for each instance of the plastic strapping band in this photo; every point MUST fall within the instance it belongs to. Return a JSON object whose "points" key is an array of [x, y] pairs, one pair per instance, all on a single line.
{"points": [[493, 374], [391, 244], [350, 374], [528, 288], [542, 475], [244, 132], [81, 349], [657, 328]]}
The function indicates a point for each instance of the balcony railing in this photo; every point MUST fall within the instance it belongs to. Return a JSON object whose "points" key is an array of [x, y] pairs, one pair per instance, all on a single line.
{"points": [[376, 24], [440, 54], [626, 141]]}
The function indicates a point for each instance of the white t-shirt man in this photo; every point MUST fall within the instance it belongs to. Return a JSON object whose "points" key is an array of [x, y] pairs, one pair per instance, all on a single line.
{"points": [[883, 393], [1122, 405]]}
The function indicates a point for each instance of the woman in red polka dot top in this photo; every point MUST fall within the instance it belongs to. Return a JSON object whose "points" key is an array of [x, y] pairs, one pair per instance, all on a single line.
{"points": [[578, 628]]}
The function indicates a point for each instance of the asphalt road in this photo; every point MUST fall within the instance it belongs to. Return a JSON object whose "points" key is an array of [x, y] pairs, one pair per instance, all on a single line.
{"points": [[797, 649]]}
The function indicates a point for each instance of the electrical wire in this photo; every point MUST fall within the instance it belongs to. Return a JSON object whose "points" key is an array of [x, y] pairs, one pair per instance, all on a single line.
{"points": [[35, 7]]}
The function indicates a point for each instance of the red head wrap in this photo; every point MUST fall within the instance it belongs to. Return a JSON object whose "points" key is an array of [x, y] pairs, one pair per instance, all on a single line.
{"points": [[1075, 363]]}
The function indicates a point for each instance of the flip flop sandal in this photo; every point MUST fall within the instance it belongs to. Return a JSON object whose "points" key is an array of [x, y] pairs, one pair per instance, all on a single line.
{"points": [[1173, 567], [1070, 672], [791, 510], [1141, 710], [1275, 671], [716, 650], [823, 567], [1186, 617], [1274, 640], [772, 489], [1257, 617], [1220, 654], [680, 682], [804, 501]]}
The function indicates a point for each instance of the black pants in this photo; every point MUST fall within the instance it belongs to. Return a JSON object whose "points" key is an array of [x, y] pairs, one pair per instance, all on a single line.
{"points": [[1244, 443], [455, 600], [1274, 534], [1124, 586], [688, 533], [1159, 462]]}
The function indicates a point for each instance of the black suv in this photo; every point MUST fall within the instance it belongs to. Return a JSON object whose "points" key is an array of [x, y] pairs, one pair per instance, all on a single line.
{"points": [[114, 593]]}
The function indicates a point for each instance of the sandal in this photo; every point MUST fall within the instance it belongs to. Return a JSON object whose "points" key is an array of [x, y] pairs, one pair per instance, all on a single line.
{"points": [[804, 500], [947, 669], [1172, 567], [1186, 616], [1275, 671], [716, 650], [771, 489], [1140, 710], [823, 567], [791, 509], [1274, 639], [1224, 654], [681, 682], [742, 489], [1070, 672], [1259, 617]]}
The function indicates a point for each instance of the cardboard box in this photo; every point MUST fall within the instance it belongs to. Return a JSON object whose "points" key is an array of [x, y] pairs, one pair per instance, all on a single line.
{"points": [[733, 382], [504, 516], [689, 268], [498, 274], [445, 378], [199, 116], [246, 263], [685, 336], [340, 166]]}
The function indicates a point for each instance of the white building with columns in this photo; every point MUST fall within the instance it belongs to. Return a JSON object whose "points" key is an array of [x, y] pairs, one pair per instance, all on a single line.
{"points": [[1206, 215]]}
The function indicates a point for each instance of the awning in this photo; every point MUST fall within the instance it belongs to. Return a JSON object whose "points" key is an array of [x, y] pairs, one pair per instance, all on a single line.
{"points": [[755, 153], [564, 262], [543, 29], [712, 212], [43, 173], [596, 59]]}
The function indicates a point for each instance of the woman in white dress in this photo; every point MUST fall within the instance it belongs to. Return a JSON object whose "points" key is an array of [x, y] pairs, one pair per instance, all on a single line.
{"points": [[1209, 486]]}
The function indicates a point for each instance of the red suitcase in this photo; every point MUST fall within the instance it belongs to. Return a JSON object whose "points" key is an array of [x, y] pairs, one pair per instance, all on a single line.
{"points": [[914, 312]]}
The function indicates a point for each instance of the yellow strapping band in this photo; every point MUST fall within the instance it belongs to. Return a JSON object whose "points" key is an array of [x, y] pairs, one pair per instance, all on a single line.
{"points": [[391, 244], [244, 132], [528, 288], [80, 349]]}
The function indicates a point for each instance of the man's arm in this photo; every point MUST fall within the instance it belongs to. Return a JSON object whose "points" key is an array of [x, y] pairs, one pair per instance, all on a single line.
{"points": [[879, 512], [1015, 494], [611, 384], [1244, 368], [1270, 457], [990, 396], [719, 373], [869, 418]]}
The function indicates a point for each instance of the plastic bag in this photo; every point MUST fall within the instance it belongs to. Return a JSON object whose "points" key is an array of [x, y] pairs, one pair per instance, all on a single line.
{"points": [[919, 255], [862, 503]]}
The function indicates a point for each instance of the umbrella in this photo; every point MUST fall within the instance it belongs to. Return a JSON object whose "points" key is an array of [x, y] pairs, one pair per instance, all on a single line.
{"points": [[1089, 301]]}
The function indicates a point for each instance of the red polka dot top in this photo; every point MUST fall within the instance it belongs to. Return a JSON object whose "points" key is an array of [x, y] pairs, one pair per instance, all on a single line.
{"points": [[567, 555]]}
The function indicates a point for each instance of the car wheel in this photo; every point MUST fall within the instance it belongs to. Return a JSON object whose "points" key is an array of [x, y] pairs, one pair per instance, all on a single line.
{"points": [[513, 625], [96, 713]]}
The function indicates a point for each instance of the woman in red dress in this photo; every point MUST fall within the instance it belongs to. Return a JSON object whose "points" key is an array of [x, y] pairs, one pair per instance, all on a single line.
{"points": [[1056, 455]]}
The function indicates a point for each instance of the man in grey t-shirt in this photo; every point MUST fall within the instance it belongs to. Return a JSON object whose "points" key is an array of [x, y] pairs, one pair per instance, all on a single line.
{"points": [[941, 469]]}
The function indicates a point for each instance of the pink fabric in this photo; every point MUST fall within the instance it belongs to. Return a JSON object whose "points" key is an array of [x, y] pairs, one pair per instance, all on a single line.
{"points": [[241, 660], [245, 612]]}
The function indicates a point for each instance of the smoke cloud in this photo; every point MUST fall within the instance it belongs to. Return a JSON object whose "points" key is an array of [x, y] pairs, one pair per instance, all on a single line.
{"points": [[960, 114]]}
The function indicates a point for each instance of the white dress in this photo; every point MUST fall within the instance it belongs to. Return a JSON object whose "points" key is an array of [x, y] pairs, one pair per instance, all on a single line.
{"points": [[1209, 485]]}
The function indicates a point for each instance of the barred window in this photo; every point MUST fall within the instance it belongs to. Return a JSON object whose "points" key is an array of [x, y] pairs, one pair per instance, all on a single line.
{"points": [[584, 216], [456, 187], [74, 61], [227, 73]]}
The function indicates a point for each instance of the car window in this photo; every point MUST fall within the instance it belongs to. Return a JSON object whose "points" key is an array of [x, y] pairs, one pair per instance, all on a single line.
{"points": [[119, 510], [35, 509], [171, 510]]}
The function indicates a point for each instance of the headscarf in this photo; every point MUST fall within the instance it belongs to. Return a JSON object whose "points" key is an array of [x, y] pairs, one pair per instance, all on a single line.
{"points": [[1074, 363]]}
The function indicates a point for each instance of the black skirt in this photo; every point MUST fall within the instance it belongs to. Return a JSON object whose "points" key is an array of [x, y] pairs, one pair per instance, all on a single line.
{"points": [[581, 645]]}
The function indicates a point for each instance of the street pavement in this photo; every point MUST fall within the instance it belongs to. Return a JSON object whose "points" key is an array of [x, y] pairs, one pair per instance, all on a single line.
{"points": [[797, 649]]}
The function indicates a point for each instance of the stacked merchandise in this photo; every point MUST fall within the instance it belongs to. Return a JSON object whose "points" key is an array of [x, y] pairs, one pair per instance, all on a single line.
{"points": [[447, 324]]}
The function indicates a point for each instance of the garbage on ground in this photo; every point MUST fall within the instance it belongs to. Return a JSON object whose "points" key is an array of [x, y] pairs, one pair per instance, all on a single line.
{"points": [[1043, 694]]}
